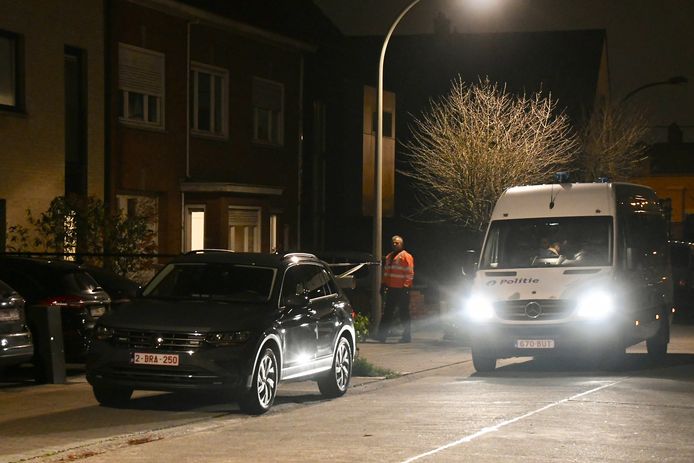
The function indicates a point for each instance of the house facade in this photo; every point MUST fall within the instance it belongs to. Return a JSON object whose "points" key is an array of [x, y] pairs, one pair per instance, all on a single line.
{"points": [[51, 105], [206, 127]]}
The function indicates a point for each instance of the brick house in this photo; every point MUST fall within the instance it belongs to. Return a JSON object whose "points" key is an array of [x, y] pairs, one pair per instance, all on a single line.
{"points": [[205, 119]]}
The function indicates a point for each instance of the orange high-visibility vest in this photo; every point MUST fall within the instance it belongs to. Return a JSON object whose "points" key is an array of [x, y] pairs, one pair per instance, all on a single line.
{"points": [[398, 271]]}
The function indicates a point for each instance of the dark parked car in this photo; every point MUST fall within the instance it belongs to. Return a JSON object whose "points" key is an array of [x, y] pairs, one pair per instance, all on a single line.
{"points": [[15, 338], [119, 288], [56, 283], [224, 321]]}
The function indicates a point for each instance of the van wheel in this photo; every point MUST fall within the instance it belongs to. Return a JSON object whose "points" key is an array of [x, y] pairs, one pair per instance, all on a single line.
{"points": [[116, 397], [657, 345], [483, 362]]}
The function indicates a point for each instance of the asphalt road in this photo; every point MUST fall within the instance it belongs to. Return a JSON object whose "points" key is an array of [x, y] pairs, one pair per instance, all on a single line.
{"points": [[524, 411]]}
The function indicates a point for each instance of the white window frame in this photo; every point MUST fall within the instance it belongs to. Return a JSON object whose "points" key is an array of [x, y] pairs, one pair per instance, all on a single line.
{"points": [[273, 118], [148, 80], [190, 210], [223, 74], [256, 235]]}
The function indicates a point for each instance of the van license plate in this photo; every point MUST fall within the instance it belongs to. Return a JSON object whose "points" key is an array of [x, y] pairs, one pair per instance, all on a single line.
{"points": [[535, 343], [165, 360]]}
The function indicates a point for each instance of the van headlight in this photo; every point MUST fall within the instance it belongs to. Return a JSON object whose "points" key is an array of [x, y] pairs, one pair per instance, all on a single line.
{"points": [[595, 305], [479, 308]]}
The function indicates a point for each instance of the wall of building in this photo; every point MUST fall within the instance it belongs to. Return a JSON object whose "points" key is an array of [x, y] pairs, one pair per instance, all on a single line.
{"points": [[33, 140]]}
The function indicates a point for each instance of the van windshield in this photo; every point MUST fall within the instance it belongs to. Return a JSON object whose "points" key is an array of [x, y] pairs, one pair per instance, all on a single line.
{"points": [[542, 242]]}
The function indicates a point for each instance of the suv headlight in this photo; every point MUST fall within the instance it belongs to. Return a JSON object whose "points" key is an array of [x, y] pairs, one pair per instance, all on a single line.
{"points": [[595, 305], [103, 333], [227, 338], [479, 308]]}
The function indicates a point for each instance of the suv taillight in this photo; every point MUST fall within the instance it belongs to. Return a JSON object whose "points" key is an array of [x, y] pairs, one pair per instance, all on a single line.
{"points": [[69, 301]]}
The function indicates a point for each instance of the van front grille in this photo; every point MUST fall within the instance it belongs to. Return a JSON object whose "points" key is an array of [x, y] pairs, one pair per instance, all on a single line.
{"points": [[533, 310]]}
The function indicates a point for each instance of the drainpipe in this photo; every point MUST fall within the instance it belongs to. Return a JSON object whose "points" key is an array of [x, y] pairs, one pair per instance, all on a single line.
{"points": [[301, 148], [183, 195]]}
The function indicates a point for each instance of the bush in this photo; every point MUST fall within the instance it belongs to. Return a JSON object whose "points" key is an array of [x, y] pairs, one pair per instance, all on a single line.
{"points": [[361, 327]]}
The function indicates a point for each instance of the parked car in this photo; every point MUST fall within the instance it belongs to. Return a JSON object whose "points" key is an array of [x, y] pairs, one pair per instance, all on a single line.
{"points": [[57, 283], [225, 321], [16, 345], [682, 259], [120, 289]]}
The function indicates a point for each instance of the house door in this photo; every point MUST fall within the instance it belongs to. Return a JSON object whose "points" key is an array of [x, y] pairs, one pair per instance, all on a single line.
{"points": [[244, 229]]}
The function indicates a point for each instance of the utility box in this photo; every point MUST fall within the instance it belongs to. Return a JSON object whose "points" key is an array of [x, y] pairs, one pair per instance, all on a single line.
{"points": [[49, 351]]}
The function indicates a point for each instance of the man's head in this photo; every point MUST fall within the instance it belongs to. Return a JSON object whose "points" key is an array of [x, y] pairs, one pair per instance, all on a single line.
{"points": [[397, 243]]}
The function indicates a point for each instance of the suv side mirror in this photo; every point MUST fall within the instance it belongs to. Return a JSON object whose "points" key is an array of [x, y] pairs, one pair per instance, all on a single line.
{"points": [[295, 301], [470, 261]]}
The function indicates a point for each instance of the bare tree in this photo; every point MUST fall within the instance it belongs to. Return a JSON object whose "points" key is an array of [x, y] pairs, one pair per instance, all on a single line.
{"points": [[477, 141], [613, 142]]}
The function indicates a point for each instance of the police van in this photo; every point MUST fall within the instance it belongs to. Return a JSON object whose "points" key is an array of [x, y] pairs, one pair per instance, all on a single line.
{"points": [[572, 268]]}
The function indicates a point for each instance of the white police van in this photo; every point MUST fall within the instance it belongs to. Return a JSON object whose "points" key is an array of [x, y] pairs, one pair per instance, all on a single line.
{"points": [[572, 268]]}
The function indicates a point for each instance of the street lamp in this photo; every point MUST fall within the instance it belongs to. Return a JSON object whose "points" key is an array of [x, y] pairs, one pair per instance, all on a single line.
{"points": [[675, 80], [378, 172]]}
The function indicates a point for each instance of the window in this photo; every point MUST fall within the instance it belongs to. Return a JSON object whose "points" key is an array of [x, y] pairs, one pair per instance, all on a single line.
{"points": [[268, 112], [311, 281], [244, 229], [11, 97], [141, 84], [195, 228], [209, 100]]}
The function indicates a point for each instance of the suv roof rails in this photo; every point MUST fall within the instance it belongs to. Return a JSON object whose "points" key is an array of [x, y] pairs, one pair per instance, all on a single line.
{"points": [[205, 251], [299, 255]]}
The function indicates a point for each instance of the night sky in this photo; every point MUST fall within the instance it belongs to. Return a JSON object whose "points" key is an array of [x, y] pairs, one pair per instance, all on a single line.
{"points": [[648, 40]]}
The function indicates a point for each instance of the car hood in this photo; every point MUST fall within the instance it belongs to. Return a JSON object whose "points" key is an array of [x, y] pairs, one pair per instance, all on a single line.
{"points": [[187, 315]]}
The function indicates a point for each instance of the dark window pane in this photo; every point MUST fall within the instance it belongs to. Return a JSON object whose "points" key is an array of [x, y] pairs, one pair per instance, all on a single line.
{"points": [[136, 102], [152, 108], [204, 97], [218, 102], [8, 94]]}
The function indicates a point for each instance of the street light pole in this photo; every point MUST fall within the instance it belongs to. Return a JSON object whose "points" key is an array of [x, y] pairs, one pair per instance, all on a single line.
{"points": [[675, 80], [378, 171]]}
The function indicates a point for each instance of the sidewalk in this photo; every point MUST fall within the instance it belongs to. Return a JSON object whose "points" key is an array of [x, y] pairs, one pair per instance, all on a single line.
{"points": [[428, 350]]}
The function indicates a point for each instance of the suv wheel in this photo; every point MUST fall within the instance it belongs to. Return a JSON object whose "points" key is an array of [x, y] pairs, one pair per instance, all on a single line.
{"points": [[336, 382], [259, 398], [112, 396]]}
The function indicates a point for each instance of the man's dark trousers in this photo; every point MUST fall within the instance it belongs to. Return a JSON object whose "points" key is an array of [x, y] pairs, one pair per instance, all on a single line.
{"points": [[397, 299]]}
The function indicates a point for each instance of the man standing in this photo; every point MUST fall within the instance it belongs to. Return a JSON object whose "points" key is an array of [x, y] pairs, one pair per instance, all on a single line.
{"points": [[398, 273]]}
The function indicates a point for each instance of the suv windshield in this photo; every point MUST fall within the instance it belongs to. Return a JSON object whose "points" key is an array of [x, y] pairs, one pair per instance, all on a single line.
{"points": [[565, 241], [219, 281]]}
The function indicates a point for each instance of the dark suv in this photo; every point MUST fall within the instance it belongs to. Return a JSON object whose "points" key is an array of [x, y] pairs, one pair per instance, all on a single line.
{"points": [[224, 321], [55, 283], [15, 338]]}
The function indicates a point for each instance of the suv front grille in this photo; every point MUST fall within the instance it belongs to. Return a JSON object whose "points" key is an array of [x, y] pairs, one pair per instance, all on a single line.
{"points": [[136, 339], [546, 309]]}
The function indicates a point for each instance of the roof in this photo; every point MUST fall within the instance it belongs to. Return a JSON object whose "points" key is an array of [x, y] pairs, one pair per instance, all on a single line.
{"points": [[245, 258]]}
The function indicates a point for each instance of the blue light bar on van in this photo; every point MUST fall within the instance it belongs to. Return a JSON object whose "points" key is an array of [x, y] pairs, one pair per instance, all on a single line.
{"points": [[561, 177]]}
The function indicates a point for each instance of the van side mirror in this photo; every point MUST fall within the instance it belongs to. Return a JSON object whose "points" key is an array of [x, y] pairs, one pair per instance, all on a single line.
{"points": [[470, 261]]}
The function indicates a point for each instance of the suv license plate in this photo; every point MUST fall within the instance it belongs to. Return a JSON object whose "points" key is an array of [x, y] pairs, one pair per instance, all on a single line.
{"points": [[165, 360], [535, 343]]}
